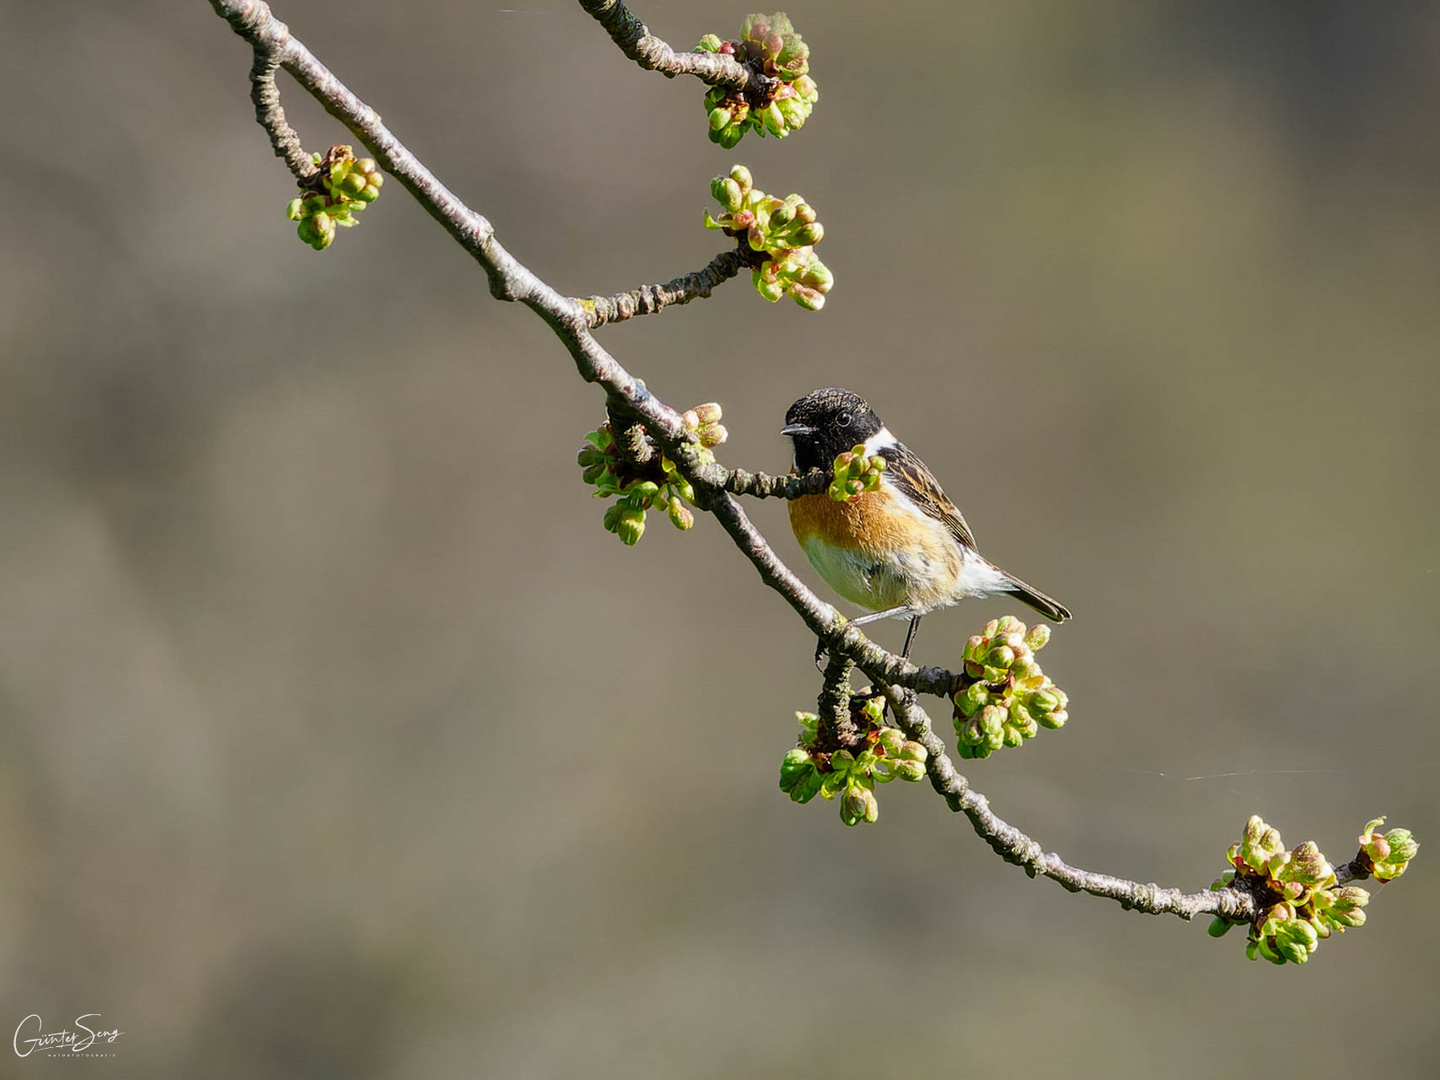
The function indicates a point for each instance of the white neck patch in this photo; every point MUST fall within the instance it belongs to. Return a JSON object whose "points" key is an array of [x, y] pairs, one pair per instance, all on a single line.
{"points": [[881, 440]]}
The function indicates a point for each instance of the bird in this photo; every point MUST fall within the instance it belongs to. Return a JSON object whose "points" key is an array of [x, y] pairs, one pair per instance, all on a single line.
{"points": [[901, 549]]}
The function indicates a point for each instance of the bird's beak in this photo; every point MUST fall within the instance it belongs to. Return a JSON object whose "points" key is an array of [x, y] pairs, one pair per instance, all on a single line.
{"points": [[797, 429]]}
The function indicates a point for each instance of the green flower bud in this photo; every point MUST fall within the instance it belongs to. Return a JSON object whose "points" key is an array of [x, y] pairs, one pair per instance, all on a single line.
{"points": [[631, 525], [810, 234], [1306, 866], [1001, 657], [741, 175], [792, 56], [1038, 637], [713, 434], [858, 804], [774, 122], [709, 43], [1260, 844], [992, 719], [794, 110], [681, 516], [1389, 854], [770, 290], [910, 771], [818, 276], [972, 699], [1219, 927], [1292, 951], [293, 210], [1343, 905]]}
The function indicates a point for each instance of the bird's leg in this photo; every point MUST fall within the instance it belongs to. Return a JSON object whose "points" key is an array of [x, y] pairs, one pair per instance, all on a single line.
{"points": [[888, 613], [910, 637]]}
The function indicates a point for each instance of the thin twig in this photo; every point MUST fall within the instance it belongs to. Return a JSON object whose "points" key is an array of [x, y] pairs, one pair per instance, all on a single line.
{"points": [[283, 138], [764, 486], [651, 299], [652, 54], [1015, 847], [833, 704]]}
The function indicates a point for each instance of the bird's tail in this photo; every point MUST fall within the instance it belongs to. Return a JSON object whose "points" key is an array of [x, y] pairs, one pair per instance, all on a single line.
{"points": [[1034, 597]]}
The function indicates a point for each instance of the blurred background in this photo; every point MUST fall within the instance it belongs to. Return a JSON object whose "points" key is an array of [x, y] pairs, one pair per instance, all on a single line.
{"points": [[340, 740]]}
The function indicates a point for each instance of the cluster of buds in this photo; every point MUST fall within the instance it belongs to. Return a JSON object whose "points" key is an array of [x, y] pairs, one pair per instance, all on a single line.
{"points": [[654, 484], [855, 473], [1297, 892], [770, 45], [875, 754], [340, 189], [781, 235], [704, 422], [1004, 698], [1386, 856]]}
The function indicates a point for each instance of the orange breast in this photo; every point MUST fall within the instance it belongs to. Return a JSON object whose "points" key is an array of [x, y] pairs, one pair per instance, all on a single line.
{"points": [[876, 550], [870, 522]]}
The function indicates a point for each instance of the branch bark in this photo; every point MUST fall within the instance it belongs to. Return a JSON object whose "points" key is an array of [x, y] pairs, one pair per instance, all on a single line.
{"points": [[652, 299]]}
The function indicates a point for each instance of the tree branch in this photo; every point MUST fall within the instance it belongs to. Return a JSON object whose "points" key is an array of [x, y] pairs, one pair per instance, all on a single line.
{"points": [[652, 54], [629, 403], [764, 486], [651, 299], [283, 138], [1015, 847]]}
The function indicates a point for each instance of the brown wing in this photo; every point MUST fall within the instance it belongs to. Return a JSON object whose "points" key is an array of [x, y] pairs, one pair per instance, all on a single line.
{"points": [[908, 473]]}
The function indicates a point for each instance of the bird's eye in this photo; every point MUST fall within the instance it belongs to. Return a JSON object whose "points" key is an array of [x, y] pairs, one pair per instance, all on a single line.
{"points": [[843, 419]]}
